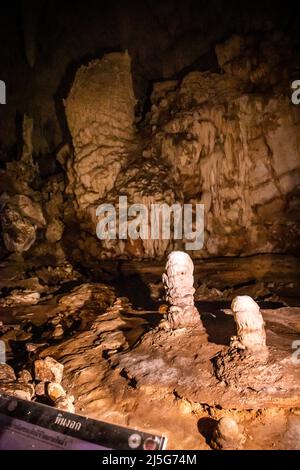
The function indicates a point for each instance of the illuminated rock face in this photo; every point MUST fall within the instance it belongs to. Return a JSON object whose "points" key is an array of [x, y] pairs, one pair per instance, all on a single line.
{"points": [[100, 114], [209, 139], [178, 282], [251, 333], [20, 219], [147, 182], [235, 151]]}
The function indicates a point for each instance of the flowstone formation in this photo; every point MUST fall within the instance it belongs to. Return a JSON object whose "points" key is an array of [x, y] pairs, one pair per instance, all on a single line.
{"points": [[179, 286], [109, 160], [232, 142], [147, 182], [208, 139], [100, 114], [228, 140]]}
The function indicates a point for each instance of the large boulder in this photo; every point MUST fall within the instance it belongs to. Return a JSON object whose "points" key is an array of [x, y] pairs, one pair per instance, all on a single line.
{"points": [[20, 219]]}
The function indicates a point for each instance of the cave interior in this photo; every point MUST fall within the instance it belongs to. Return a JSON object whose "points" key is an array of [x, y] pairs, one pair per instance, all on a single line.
{"points": [[172, 102]]}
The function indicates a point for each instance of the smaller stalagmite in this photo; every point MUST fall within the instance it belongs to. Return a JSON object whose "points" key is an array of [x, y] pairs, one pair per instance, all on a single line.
{"points": [[251, 334], [179, 286], [227, 435]]}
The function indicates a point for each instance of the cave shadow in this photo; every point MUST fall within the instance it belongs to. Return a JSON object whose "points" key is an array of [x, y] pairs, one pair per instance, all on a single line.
{"points": [[206, 428], [219, 326], [135, 288]]}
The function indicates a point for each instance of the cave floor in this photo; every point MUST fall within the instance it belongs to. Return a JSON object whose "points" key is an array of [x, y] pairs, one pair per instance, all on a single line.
{"points": [[123, 367]]}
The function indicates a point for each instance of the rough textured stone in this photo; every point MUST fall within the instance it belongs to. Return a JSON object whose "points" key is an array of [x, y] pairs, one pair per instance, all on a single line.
{"points": [[48, 370], [7, 374], [100, 114], [54, 231], [58, 331], [55, 391], [25, 391], [40, 389], [147, 182], [235, 151], [21, 297], [65, 403], [24, 376], [20, 219]]}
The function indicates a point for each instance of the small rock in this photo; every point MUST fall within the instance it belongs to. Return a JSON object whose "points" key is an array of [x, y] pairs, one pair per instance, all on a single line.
{"points": [[34, 346], [23, 297], [65, 403], [55, 320], [48, 370], [163, 308], [40, 389], [19, 390], [58, 331], [54, 231], [7, 374], [24, 336], [24, 376], [10, 335], [227, 436], [55, 391]]}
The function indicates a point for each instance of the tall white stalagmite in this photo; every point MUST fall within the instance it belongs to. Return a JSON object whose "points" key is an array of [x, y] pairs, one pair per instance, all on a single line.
{"points": [[179, 285]]}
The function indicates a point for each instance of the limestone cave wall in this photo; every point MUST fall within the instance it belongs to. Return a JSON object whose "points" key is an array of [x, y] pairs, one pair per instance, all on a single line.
{"points": [[160, 104]]}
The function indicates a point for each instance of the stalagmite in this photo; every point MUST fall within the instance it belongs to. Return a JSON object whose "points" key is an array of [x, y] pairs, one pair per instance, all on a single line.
{"points": [[178, 282], [227, 435], [251, 333]]}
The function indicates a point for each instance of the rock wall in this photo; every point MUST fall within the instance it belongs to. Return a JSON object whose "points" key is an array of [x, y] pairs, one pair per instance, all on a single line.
{"points": [[48, 41], [107, 161], [234, 145], [230, 141]]}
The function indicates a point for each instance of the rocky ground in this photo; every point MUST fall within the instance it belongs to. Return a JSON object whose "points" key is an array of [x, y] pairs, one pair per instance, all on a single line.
{"points": [[79, 344]]}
